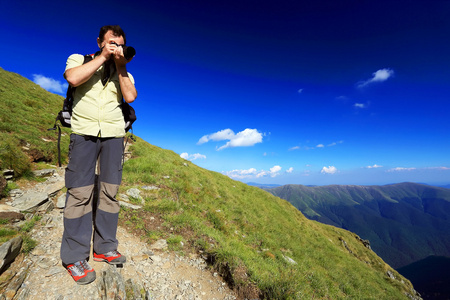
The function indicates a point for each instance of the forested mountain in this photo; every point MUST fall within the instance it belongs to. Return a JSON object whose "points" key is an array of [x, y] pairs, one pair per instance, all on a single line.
{"points": [[404, 222]]}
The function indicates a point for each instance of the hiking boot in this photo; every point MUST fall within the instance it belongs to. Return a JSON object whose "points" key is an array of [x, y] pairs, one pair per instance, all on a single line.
{"points": [[81, 272], [111, 257]]}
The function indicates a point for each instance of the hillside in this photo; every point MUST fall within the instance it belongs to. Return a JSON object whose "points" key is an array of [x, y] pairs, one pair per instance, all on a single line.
{"points": [[430, 276], [262, 245], [26, 112], [404, 222]]}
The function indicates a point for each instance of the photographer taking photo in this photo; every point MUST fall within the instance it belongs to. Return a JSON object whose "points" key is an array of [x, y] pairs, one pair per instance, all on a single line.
{"points": [[97, 135]]}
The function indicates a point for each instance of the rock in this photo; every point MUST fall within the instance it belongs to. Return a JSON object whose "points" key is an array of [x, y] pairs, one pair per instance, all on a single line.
{"points": [[23, 294], [30, 202], [135, 193], [43, 173], [390, 274], [7, 212], [133, 290], [12, 216], [123, 197], [46, 207], [8, 174], [366, 243], [159, 245], [150, 187], [16, 193], [53, 188], [112, 285], [289, 260], [156, 258], [129, 205], [61, 202], [9, 251], [15, 284], [55, 270], [8, 208], [140, 257]]}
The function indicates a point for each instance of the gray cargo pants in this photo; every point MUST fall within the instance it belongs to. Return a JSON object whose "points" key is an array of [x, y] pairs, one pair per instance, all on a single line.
{"points": [[81, 214]]}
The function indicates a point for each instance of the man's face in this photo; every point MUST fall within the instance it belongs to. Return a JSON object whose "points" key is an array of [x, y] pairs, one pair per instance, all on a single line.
{"points": [[109, 38]]}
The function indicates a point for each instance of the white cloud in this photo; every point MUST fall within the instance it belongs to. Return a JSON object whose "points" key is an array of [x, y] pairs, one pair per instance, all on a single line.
{"points": [[374, 166], [359, 105], [342, 97], [253, 173], [245, 138], [329, 170], [379, 76], [226, 134], [317, 146], [50, 84], [438, 168], [241, 174], [400, 169], [335, 143], [192, 157], [274, 171], [290, 170], [300, 91]]}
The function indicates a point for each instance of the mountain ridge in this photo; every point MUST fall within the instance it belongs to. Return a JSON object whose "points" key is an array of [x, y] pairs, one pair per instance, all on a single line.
{"points": [[404, 222]]}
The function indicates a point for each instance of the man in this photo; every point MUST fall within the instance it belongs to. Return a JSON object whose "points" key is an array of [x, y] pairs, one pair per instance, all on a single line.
{"points": [[97, 135]]}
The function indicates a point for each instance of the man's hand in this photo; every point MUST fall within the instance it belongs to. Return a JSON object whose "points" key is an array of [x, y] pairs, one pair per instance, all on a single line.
{"points": [[108, 49], [119, 57]]}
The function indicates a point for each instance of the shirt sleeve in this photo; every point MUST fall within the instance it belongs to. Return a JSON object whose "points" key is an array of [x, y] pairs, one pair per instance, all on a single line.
{"points": [[131, 78], [74, 60]]}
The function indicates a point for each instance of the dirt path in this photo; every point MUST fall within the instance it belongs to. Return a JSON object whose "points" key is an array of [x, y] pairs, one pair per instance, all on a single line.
{"points": [[160, 274]]}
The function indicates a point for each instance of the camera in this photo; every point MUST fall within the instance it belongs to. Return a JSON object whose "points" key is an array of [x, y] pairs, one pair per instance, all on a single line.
{"points": [[128, 52]]}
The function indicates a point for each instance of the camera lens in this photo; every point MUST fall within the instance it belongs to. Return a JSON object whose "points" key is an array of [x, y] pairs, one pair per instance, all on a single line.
{"points": [[129, 52]]}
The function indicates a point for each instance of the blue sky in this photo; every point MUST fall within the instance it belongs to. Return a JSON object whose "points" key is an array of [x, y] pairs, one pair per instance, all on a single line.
{"points": [[302, 92]]}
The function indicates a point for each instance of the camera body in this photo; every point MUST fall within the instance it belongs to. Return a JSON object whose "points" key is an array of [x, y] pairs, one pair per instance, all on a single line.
{"points": [[128, 52]]}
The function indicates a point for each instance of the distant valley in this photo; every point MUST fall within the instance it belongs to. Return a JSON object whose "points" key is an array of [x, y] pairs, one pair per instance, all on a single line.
{"points": [[404, 222]]}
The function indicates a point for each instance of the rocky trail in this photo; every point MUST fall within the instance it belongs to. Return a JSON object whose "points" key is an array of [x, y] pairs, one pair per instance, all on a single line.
{"points": [[151, 271]]}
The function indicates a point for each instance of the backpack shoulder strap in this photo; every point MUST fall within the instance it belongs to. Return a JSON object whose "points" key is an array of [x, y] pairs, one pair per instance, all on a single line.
{"points": [[67, 107], [88, 58]]}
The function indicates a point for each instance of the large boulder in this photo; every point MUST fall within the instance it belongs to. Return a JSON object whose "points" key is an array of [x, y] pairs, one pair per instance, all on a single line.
{"points": [[9, 251], [30, 201]]}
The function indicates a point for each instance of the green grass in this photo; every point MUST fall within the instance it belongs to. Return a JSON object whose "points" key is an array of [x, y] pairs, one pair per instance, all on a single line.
{"points": [[7, 233], [244, 228], [26, 112]]}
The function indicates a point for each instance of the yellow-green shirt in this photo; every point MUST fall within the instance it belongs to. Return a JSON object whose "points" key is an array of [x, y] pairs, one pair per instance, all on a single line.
{"points": [[96, 108]]}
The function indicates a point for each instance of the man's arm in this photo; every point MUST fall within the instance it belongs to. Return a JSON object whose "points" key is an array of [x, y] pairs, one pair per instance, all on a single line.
{"points": [[78, 75], [129, 92]]}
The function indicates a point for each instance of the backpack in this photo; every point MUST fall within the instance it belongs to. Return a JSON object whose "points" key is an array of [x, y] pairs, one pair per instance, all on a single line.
{"points": [[65, 115]]}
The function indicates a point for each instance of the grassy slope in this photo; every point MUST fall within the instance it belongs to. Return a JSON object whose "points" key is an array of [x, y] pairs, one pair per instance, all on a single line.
{"points": [[26, 112], [404, 222], [246, 228], [245, 231]]}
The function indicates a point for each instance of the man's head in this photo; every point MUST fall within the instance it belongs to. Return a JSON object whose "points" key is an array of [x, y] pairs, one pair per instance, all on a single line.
{"points": [[110, 31]]}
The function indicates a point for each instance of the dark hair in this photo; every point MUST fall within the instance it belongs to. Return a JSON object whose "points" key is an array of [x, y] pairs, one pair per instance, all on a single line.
{"points": [[115, 29]]}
